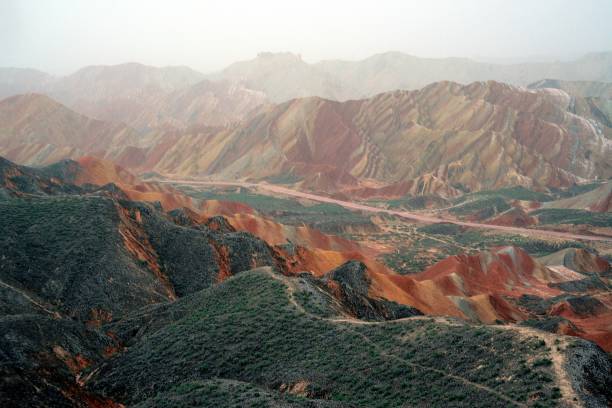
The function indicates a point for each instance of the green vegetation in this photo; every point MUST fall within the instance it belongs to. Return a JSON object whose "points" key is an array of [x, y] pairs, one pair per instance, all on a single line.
{"points": [[330, 218], [482, 208], [485, 199], [535, 247], [247, 330], [509, 193], [432, 243], [417, 203], [57, 238], [265, 203], [221, 393], [314, 304], [576, 190], [441, 229], [286, 178], [416, 257], [576, 217]]}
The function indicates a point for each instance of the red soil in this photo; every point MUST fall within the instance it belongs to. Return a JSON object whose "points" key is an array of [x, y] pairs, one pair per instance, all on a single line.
{"points": [[507, 271], [101, 172], [514, 217]]}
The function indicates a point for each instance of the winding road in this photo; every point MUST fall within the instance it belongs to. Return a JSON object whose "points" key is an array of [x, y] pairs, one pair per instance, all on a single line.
{"points": [[403, 214]]}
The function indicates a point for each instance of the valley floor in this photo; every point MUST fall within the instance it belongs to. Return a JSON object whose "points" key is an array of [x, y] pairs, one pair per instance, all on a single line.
{"points": [[416, 217]]}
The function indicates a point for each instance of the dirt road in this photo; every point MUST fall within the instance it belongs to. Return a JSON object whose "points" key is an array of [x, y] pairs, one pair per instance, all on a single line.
{"points": [[403, 214]]}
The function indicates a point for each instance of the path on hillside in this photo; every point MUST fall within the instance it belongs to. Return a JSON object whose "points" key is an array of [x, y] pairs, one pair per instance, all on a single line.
{"points": [[403, 214], [28, 298], [558, 358], [289, 286]]}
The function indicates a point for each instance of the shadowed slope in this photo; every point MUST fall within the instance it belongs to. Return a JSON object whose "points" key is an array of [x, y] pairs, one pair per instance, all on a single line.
{"points": [[75, 258]]}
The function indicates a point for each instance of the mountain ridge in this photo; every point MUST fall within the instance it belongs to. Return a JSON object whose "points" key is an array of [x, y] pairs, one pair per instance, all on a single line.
{"points": [[445, 138], [338, 79], [100, 288]]}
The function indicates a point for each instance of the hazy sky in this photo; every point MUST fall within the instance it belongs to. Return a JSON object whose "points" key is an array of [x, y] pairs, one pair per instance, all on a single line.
{"points": [[60, 36]]}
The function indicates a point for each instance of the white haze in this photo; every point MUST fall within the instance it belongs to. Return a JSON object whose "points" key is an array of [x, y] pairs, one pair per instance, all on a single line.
{"points": [[59, 36]]}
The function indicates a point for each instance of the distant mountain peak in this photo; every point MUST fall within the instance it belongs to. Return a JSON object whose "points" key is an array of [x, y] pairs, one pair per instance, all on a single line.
{"points": [[280, 55], [31, 103]]}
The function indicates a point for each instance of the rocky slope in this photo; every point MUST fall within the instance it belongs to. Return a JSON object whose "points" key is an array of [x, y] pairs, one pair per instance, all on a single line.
{"points": [[579, 260], [443, 139], [591, 100], [77, 257], [74, 258], [98, 289], [440, 139], [570, 295], [505, 284], [317, 251]]}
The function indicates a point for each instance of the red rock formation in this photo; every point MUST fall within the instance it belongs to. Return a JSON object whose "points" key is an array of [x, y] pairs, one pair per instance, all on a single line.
{"points": [[324, 252], [593, 321], [507, 271], [481, 136], [515, 217], [579, 260], [430, 141], [484, 287], [97, 171]]}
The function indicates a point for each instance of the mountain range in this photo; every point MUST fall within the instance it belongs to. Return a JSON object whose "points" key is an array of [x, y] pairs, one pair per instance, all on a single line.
{"points": [[444, 139], [138, 95], [285, 76], [396, 231]]}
